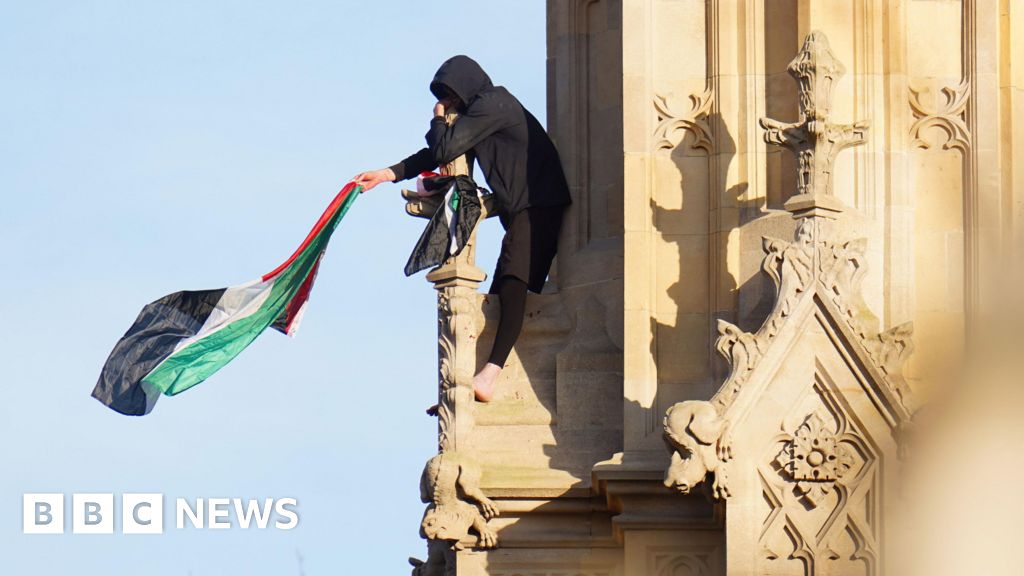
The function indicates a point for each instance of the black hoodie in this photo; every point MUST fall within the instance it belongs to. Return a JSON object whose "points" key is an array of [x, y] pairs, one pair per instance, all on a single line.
{"points": [[518, 158]]}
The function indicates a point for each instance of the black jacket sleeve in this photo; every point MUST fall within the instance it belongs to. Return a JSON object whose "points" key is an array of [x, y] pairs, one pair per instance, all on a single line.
{"points": [[413, 165], [482, 118], [445, 143]]}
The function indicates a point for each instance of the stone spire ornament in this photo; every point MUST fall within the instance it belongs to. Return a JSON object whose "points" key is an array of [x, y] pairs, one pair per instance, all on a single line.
{"points": [[814, 139]]}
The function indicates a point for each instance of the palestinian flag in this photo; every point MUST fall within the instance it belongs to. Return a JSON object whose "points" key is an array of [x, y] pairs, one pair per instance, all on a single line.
{"points": [[183, 338], [452, 224]]}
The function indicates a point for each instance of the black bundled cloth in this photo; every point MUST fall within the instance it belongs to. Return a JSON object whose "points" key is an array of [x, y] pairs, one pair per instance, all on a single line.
{"points": [[451, 225]]}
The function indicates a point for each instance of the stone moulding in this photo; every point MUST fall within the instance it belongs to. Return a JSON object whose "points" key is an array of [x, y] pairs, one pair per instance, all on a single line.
{"points": [[802, 269]]}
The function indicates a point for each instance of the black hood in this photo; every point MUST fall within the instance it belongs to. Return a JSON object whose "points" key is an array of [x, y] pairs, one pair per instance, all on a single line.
{"points": [[463, 76]]}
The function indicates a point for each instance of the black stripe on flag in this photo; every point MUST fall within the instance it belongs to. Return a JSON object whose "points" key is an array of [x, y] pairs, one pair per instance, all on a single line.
{"points": [[151, 339], [434, 245]]}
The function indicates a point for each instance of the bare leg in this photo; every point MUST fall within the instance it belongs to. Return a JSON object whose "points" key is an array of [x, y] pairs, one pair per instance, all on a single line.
{"points": [[512, 292]]}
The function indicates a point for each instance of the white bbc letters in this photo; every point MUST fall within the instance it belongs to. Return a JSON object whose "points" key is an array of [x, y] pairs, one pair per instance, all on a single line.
{"points": [[142, 513], [92, 513], [219, 509], [42, 514]]}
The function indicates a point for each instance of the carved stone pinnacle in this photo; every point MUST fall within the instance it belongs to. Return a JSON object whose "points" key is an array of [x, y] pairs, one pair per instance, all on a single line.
{"points": [[814, 139]]}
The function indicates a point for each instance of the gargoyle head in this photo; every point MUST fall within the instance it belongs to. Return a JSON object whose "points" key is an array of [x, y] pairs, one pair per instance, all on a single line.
{"points": [[444, 523], [684, 474]]}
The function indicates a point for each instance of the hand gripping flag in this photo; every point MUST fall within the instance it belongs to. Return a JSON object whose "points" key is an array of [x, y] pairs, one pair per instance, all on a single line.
{"points": [[451, 225], [183, 338]]}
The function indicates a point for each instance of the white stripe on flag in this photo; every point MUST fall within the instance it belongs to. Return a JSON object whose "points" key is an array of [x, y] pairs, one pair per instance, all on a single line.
{"points": [[236, 303]]}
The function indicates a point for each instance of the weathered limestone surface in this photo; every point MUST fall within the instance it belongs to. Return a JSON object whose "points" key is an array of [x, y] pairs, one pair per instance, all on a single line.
{"points": [[816, 191]]}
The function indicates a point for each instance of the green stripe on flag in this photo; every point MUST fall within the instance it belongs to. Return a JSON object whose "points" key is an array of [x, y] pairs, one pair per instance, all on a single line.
{"points": [[200, 359]]}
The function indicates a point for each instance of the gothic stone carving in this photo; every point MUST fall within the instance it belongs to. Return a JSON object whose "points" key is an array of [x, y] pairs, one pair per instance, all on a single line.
{"points": [[790, 266], [449, 517], [454, 309], [820, 488], [814, 459], [814, 138], [814, 265], [451, 486], [695, 120], [949, 116], [699, 442], [837, 276]]}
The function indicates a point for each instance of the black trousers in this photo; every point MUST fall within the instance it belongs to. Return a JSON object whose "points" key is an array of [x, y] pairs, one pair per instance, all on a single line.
{"points": [[527, 251], [529, 246]]}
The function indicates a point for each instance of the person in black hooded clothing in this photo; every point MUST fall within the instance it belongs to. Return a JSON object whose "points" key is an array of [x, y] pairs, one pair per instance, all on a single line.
{"points": [[522, 169]]}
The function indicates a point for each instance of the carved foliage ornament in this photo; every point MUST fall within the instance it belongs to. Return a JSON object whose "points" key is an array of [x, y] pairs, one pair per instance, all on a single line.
{"points": [[694, 120], [948, 116], [454, 310], [835, 270]]}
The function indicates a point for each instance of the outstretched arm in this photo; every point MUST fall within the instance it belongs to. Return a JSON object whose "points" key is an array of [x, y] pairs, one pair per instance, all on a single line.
{"points": [[370, 179], [445, 142], [421, 161]]}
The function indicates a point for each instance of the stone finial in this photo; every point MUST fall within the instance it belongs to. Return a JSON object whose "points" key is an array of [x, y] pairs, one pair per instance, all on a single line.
{"points": [[459, 270], [814, 138]]}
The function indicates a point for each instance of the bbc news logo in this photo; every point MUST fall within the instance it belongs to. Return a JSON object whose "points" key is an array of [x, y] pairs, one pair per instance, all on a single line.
{"points": [[144, 513]]}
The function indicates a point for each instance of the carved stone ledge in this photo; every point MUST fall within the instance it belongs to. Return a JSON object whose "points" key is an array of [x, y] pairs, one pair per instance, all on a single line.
{"points": [[632, 486]]}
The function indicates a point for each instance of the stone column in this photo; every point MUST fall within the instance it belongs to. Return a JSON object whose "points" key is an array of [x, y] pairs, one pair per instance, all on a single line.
{"points": [[456, 281]]}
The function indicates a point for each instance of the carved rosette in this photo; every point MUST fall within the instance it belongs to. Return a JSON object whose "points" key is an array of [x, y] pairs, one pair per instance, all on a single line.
{"points": [[814, 459], [819, 481]]}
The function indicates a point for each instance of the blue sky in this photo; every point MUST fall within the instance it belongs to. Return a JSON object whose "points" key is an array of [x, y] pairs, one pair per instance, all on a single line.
{"points": [[149, 147]]}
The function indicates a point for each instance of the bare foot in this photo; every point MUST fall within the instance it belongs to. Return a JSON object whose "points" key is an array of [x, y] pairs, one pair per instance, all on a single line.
{"points": [[484, 382]]}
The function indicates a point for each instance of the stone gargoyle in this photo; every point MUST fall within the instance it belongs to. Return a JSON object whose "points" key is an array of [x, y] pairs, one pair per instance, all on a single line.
{"points": [[450, 485], [698, 439]]}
